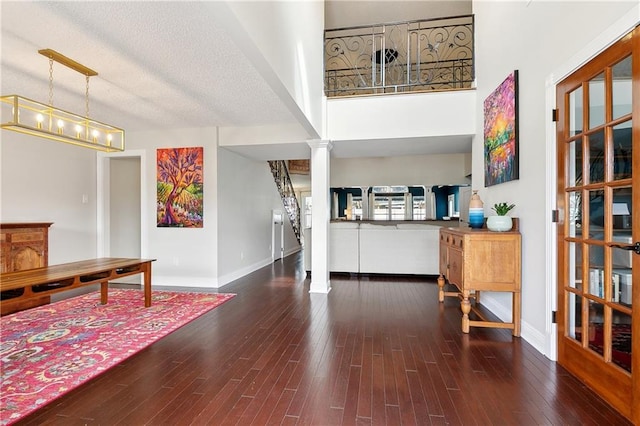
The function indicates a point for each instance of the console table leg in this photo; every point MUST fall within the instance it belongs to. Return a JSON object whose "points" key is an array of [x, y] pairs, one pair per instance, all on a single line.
{"points": [[465, 305], [515, 312], [441, 288]]}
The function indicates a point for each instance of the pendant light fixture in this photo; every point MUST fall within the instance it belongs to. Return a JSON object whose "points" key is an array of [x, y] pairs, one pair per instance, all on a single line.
{"points": [[34, 118]]}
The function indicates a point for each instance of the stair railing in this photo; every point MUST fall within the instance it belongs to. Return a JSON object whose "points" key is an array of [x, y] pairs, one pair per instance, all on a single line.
{"points": [[287, 194]]}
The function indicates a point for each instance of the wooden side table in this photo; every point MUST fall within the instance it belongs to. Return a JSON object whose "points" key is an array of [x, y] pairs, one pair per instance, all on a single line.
{"points": [[476, 260]]}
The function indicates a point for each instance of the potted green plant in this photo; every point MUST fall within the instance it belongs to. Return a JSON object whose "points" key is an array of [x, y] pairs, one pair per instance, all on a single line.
{"points": [[500, 221]]}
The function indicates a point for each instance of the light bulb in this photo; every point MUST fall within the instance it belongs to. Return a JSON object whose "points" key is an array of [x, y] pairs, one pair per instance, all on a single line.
{"points": [[60, 127], [109, 138], [95, 134], [39, 119], [78, 130]]}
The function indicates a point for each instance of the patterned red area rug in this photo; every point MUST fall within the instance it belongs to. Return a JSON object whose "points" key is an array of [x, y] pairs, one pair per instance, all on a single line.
{"points": [[47, 351]]}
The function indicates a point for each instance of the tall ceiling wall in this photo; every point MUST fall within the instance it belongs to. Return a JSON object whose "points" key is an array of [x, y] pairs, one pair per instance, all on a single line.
{"points": [[340, 13]]}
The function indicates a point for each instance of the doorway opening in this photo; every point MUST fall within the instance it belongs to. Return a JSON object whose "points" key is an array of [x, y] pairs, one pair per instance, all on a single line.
{"points": [[277, 234], [121, 210]]}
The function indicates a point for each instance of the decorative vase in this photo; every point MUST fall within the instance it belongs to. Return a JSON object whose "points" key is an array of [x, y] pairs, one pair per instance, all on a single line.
{"points": [[499, 223], [476, 211]]}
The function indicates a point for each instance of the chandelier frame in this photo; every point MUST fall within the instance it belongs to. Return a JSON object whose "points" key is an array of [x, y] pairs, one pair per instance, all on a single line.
{"points": [[27, 116]]}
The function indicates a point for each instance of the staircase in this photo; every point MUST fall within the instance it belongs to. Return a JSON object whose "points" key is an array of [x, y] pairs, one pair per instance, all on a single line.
{"points": [[288, 195]]}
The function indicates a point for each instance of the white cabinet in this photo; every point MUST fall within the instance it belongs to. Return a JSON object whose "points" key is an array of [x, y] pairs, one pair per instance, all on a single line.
{"points": [[369, 248]]}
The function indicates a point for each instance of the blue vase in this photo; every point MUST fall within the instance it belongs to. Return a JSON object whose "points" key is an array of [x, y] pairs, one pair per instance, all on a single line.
{"points": [[476, 211], [476, 218]]}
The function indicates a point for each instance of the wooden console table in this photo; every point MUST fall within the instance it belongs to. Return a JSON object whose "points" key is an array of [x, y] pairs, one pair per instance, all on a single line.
{"points": [[38, 282], [476, 260]]}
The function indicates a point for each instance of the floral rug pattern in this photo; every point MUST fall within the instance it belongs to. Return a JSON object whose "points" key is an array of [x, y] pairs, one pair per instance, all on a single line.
{"points": [[47, 351]]}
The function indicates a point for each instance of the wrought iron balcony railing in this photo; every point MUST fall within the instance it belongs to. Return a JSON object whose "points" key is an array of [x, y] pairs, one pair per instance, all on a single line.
{"points": [[427, 55]]}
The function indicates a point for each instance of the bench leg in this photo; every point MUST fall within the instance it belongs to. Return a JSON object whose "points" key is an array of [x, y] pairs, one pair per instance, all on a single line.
{"points": [[104, 287], [146, 273]]}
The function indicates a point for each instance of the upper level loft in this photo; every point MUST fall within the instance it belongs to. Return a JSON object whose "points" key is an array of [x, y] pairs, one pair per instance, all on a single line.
{"points": [[400, 57]]}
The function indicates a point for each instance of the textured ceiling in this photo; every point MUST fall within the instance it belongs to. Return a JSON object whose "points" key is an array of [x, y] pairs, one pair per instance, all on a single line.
{"points": [[160, 64]]}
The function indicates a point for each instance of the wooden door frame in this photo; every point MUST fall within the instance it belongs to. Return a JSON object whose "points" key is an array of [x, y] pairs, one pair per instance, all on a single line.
{"points": [[608, 37]]}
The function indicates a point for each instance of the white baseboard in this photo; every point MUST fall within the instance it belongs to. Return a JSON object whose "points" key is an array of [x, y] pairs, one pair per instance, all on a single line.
{"points": [[180, 281], [527, 332], [239, 273], [497, 309], [207, 282], [533, 337], [292, 250]]}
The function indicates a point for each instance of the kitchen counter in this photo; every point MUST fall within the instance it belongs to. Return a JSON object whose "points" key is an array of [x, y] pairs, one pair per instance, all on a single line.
{"points": [[382, 247]]}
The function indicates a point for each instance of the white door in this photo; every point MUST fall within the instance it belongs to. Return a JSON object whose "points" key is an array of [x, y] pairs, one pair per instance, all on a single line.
{"points": [[278, 235]]}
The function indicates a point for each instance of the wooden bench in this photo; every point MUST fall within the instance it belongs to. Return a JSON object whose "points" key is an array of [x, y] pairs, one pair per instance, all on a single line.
{"points": [[18, 288]]}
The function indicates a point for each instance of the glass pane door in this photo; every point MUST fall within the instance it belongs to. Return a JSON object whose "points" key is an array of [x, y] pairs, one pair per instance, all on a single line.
{"points": [[596, 236], [599, 295]]}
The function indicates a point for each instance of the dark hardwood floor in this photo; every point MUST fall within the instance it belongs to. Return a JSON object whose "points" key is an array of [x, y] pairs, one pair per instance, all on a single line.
{"points": [[374, 351]]}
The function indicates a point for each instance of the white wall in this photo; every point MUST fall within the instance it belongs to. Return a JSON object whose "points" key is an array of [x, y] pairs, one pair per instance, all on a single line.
{"points": [[256, 135], [45, 181], [425, 170], [184, 256], [247, 194], [535, 37], [289, 35], [406, 116], [349, 13]]}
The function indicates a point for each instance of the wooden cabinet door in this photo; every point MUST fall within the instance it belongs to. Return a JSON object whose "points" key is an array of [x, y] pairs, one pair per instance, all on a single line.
{"points": [[27, 258], [456, 271], [28, 248], [444, 258]]}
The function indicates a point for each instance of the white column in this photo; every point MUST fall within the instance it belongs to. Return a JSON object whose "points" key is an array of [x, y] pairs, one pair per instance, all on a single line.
{"points": [[408, 206], [365, 202], [320, 216]]}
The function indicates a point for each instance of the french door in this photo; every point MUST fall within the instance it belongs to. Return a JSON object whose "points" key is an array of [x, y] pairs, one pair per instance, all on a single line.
{"points": [[598, 136]]}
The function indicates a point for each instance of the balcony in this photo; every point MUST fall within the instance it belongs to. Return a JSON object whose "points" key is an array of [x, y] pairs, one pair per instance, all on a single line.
{"points": [[415, 56]]}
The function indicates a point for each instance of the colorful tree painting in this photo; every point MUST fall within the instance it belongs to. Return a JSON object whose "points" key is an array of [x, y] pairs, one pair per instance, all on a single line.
{"points": [[501, 132], [179, 186]]}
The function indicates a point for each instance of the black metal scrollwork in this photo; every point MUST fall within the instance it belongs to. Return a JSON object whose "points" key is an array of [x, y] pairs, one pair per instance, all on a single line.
{"points": [[433, 54]]}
